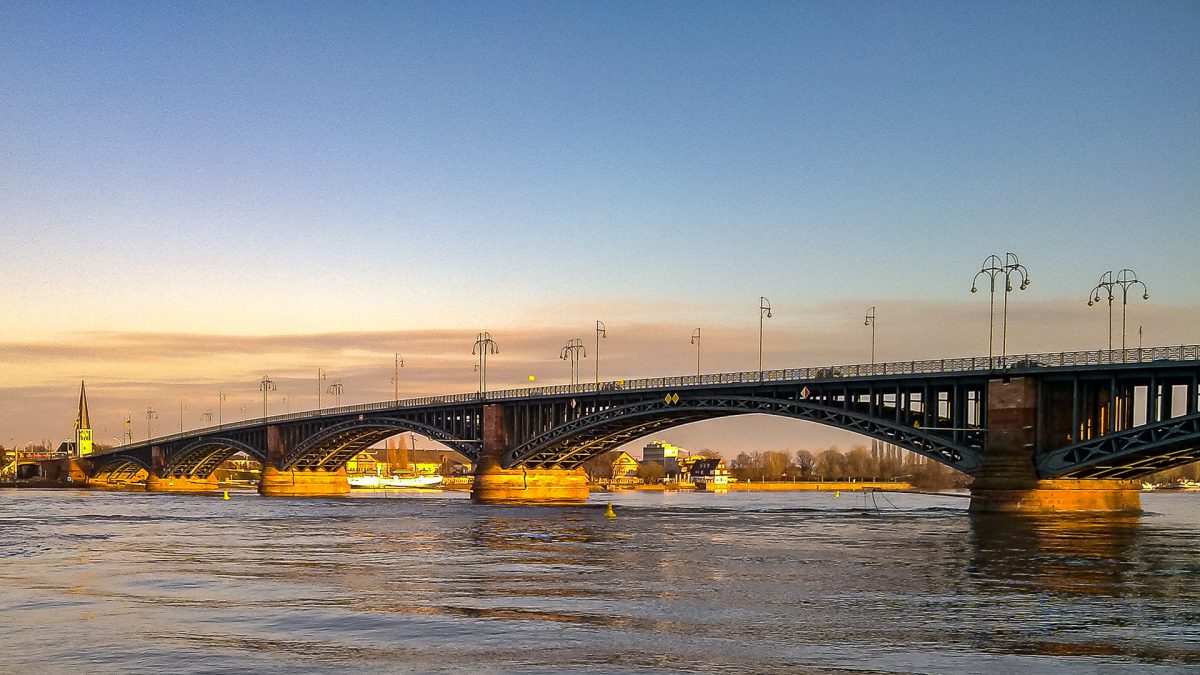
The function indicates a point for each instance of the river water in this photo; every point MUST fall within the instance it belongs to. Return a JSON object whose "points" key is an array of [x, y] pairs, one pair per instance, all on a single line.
{"points": [[99, 582]]}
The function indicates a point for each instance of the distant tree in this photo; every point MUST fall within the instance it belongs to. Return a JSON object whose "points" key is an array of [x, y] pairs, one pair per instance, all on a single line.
{"points": [[651, 472], [742, 467], [709, 453], [929, 475], [774, 464], [860, 464], [890, 468], [600, 467], [805, 463], [831, 464]]}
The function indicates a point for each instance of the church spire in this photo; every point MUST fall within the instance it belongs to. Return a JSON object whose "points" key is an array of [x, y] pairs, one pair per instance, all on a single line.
{"points": [[81, 420]]}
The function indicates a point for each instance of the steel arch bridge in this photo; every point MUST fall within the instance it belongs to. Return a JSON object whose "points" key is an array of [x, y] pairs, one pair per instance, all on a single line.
{"points": [[1099, 414]]}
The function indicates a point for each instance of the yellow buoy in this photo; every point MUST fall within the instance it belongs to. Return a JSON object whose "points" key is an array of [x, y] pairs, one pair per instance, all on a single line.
{"points": [[609, 513], [837, 494], [227, 494]]}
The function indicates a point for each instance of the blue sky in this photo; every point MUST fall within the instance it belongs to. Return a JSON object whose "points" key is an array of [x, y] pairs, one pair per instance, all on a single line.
{"points": [[284, 168]]}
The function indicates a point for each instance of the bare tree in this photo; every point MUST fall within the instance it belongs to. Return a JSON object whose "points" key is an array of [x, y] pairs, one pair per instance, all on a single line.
{"points": [[831, 464], [806, 462]]}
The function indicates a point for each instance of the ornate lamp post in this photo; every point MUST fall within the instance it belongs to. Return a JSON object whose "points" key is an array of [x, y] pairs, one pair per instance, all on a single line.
{"points": [[265, 386], [696, 341], [399, 363], [764, 312], [870, 321], [601, 332], [992, 268], [571, 353], [221, 396], [150, 415], [182, 407], [336, 390], [484, 344], [320, 378], [1124, 279]]}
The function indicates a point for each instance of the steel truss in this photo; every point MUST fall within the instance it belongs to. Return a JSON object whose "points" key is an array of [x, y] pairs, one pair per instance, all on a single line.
{"points": [[1131, 453], [572, 443], [331, 448]]}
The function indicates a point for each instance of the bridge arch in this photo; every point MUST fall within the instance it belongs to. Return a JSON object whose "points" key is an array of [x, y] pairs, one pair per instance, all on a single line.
{"points": [[330, 448], [201, 457], [112, 466], [571, 443]]}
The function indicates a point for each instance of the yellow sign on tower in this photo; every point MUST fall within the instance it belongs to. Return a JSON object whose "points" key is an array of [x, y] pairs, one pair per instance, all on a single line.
{"points": [[83, 441]]}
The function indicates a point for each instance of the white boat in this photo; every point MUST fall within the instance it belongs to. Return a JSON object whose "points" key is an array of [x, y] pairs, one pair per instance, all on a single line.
{"points": [[394, 481]]}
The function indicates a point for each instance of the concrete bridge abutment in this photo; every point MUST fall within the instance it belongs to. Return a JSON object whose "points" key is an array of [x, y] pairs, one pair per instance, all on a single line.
{"points": [[1007, 480], [277, 482], [494, 484]]}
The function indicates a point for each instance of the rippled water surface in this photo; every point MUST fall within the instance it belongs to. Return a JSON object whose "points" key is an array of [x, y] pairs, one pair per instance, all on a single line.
{"points": [[744, 582]]}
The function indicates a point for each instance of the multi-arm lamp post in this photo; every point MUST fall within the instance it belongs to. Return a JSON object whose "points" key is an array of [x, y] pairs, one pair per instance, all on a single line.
{"points": [[1007, 268], [150, 415], [1124, 279], [484, 344], [336, 390], [221, 396], [265, 386], [571, 353]]}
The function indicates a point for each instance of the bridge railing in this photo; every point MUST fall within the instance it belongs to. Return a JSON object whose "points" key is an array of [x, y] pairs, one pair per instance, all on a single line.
{"points": [[1098, 357]]}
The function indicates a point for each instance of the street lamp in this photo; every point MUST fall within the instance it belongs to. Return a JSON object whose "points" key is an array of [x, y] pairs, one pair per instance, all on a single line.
{"points": [[601, 332], [265, 386], [764, 312], [221, 396], [1108, 281], [336, 390], [320, 378], [129, 428], [396, 377], [182, 407], [571, 353], [484, 344], [150, 415], [207, 415], [870, 321], [696, 341], [994, 267]]}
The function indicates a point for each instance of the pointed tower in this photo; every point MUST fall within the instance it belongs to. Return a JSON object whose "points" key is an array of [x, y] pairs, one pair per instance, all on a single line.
{"points": [[83, 425]]}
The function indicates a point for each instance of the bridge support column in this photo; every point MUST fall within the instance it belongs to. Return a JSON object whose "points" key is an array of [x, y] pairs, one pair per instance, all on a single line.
{"points": [[276, 482], [1007, 481], [495, 484]]}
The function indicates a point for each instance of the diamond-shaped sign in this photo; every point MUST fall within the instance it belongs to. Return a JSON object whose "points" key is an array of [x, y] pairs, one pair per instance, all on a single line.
{"points": [[804, 393], [667, 399], [674, 398]]}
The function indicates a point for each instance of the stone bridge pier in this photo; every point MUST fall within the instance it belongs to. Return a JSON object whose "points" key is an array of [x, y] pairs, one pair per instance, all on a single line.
{"points": [[494, 484], [1007, 481], [279, 482], [159, 480]]}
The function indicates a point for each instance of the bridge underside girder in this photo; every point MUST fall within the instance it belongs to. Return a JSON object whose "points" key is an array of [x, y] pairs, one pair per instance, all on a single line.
{"points": [[572, 443], [201, 458], [118, 468], [1132, 453], [330, 449]]}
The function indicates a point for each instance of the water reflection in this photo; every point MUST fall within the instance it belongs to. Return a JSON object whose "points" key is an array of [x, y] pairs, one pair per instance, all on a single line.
{"points": [[1074, 554]]}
